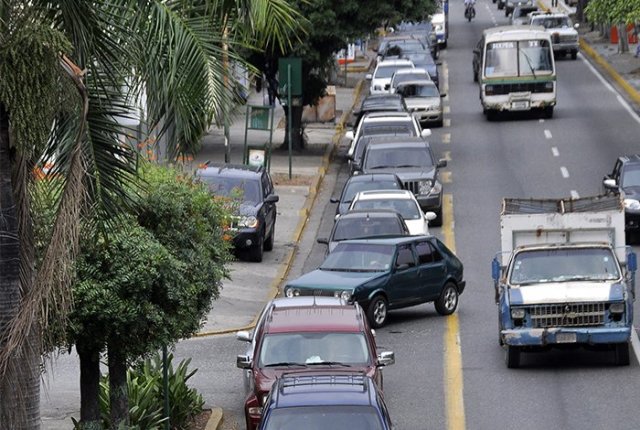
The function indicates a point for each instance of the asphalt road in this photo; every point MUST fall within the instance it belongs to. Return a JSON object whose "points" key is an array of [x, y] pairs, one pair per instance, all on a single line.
{"points": [[516, 157]]}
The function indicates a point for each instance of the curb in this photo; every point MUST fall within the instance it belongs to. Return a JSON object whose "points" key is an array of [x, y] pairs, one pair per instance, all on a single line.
{"points": [[215, 419], [622, 82], [285, 266]]}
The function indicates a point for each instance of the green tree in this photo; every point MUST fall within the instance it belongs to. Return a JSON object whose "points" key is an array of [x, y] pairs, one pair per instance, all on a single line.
{"points": [[330, 26], [615, 12], [117, 51]]}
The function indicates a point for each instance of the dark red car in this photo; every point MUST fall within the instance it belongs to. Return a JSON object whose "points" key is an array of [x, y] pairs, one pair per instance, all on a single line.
{"points": [[306, 334]]}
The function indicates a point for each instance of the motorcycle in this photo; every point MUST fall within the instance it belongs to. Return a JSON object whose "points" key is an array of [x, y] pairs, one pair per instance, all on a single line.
{"points": [[470, 11]]}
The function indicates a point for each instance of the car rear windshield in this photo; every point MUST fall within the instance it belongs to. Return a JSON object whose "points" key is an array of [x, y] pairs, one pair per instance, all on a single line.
{"points": [[564, 265], [357, 228], [325, 417], [386, 158], [359, 257], [246, 190], [289, 349], [388, 71], [400, 129], [405, 207], [355, 187]]}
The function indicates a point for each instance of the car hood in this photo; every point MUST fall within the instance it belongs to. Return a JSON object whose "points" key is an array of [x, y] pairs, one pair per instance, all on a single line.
{"points": [[632, 192], [567, 292], [333, 281], [248, 209]]}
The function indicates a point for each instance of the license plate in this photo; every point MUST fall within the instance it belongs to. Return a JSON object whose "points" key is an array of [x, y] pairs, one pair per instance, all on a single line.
{"points": [[520, 105], [566, 338]]}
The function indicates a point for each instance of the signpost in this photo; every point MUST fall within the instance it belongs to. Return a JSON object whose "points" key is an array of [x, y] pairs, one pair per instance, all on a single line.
{"points": [[290, 74]]}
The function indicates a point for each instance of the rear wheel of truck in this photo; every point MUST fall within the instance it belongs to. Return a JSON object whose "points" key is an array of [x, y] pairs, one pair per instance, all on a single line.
{"points": [[621, 351], [512, 356]]}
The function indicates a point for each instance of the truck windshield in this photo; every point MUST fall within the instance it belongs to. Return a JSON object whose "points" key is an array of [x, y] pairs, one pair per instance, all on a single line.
{"points": [[564, 265], [518, 58]]}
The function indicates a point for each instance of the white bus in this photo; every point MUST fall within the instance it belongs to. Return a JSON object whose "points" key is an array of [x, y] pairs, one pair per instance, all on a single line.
{"points": [[515, 70]]}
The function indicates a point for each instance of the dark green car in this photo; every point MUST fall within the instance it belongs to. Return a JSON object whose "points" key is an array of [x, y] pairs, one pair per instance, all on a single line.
{"points": [[385, 274]]}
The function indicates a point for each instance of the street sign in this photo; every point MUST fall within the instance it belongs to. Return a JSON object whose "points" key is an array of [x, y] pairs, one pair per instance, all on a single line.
{"points": [[296, 76]]}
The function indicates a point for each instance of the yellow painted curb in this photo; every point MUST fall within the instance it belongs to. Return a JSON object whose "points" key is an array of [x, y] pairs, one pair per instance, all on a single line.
{"points": [[215, 419], [626, 86], [285, 266]]}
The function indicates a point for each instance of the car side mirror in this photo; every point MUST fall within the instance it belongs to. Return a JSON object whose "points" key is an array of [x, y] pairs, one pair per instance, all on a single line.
{"points": [[244, 336], [443, 95], [368, 76], [386, 358], [610, 184], [430, 216], [401, 267], [438, 63], [323, 240], [442, 163], [426, 132], [349, 135], [243, 362], [355, 167], [272, 198], [576, 25]]}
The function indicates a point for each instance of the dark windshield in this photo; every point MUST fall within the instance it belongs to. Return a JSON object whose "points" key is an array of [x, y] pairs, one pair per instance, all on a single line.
{"points": [[523, 58], [246, 190], [385, 158], [418, 90], [564, 265], [359, 257], [357, 228], [324, 417], [630, 176], [355, 187]]}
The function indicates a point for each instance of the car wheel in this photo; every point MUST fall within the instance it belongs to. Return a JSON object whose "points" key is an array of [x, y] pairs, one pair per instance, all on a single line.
{"points": [[512, 356], [256, 251], [268, 243], [448, 300], [437, 222], [377, 312], [574, 55], [622, 354]]}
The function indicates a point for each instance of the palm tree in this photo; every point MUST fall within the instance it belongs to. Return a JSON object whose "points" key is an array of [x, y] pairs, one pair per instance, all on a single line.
{"points": [[167, 50]]}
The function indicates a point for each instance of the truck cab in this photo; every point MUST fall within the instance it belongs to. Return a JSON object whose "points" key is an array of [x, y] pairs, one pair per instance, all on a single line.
{"points": [[564, 276]]}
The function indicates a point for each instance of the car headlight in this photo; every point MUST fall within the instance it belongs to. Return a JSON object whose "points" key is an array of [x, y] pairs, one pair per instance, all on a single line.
{"points": [[424, 186], [344, 295], [248, 221], [631, 204], [616, 308], [517, 313], [291, 292]]}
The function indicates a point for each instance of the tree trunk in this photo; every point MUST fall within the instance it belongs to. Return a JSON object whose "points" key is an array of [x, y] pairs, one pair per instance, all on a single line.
{"points": [[297, 139], [89, 388], [623, 39], [118, 395]]}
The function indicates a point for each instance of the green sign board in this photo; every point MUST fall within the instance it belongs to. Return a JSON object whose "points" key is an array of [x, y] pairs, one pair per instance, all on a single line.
{"points": [[295, 65]]}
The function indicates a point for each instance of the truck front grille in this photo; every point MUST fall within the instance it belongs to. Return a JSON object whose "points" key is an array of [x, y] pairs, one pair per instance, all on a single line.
{"points": [[563, 315]]}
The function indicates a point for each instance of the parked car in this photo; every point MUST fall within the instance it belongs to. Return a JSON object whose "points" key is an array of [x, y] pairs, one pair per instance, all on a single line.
{"points": [[511, 4], [385, 123], [383, 72], [625, 180], [423, 99], [401, 201], [333, 400], [355, 184], [564, 34], [422, 61], [306, 334], [251, 190], [520, 15], [387, 274], [404, 75], [379, 103], [413, 161], [359, 224]]}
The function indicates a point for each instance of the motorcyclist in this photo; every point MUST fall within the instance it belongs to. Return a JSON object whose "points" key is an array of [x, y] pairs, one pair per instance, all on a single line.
{"points": [[470, 4]]}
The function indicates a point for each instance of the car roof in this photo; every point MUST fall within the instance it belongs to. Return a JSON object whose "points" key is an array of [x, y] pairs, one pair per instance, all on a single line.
{"points": [[390, 115], [423, 81], [398, 62], [514, 32], [230, 170], [343, 317], [630, 159], [342, 387], [384, 194], [410, 71], [397, 141], [374, 176]]}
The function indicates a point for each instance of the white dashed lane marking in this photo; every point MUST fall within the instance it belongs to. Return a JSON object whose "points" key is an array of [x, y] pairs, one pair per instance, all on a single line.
{"points": [[555, 152], [574, 194], [564, 171], [547, 134]]}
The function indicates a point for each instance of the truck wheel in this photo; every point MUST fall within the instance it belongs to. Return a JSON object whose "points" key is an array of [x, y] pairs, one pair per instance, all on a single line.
{"points": [[622, 354], [377, 312], [448, 300], [512, 356], [574, 55]]}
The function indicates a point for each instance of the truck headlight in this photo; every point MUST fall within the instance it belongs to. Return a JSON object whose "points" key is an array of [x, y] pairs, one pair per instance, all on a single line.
{"points": [[291, 292], [488, 90], [616, 308], [517, 313], [248, 221], [631, 204]]}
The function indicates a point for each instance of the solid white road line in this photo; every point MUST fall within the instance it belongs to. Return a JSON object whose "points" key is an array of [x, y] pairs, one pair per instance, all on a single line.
{"points": [[565, 172]]}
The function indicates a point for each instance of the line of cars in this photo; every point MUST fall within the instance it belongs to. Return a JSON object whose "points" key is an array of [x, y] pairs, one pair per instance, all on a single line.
{"points": [[312, 360]]}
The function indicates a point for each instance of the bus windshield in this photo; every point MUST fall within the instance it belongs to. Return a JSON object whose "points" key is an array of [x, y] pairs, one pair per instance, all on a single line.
{"points": [[518, 58]]}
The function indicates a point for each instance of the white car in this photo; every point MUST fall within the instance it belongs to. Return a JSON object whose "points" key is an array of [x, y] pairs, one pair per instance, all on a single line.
{"points": [[407, 75], [401, 201], [381, 76], [386, 123]]}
